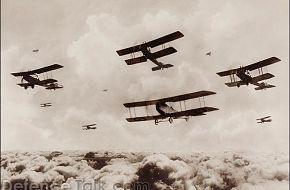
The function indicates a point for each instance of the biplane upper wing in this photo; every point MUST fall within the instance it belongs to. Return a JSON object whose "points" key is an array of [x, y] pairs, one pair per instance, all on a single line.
{"points": [[38, 71], [228, 72], [262, 63], [153, 43], [170, 99], [165, 39], [263, 118]]}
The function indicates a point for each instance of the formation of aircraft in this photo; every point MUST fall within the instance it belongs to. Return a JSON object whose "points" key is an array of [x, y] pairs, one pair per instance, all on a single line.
{"points": [[32, 79], [243, 73], [46, 104], [152, 56], [264, 119], [89, 127], [168, 112], [165, 112]]}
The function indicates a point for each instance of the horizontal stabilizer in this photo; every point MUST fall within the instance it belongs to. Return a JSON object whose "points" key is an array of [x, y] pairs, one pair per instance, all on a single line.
{"points": [[232, 84], [162, 67], [164, 52], [136, 60], [264, 87]]}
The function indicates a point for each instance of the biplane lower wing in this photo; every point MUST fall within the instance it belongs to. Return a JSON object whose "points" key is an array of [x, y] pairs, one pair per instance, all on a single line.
{"points": [[264, 76], [136, 60], [192, 112], [25, 85], [48, 81], [146, 118], [164, 52], [170, 99], [175, 115]]}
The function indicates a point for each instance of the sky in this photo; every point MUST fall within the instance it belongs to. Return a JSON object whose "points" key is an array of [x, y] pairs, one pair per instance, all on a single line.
{"points": [[83, 36]]}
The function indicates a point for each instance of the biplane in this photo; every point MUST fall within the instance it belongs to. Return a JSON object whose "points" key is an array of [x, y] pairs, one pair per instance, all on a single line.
{"points": [[152, 56], [88, 127], [264, 119], [168, 112], [46, 104], [32, 77], [243, 73], [208, 53]]}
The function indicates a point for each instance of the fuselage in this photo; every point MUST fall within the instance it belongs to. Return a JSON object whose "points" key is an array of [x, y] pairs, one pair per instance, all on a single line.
{"points": [[246, 78], [149, 56], [164, 109], [32, 80]]}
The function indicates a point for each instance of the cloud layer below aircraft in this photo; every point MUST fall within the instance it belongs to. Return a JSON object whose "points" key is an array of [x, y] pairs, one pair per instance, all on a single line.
{"points": [[196, 171]]}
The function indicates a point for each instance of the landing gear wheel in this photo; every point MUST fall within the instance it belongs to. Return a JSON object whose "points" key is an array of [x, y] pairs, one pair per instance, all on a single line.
{"points": [[32, 86], [156, 122], [170, 120], [238, 85]]}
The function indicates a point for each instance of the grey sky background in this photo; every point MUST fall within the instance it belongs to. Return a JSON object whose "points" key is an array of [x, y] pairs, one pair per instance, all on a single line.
{"points": [[83, 36]]}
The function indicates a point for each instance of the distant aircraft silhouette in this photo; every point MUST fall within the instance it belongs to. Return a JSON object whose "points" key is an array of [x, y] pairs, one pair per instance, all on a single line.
{"points": [[208, 53], [264, 119], [35, 50], [88, 127], [45, 104]]}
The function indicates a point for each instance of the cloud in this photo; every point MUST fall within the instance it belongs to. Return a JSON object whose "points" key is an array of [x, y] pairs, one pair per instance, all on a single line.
{"points": [[224, 170]]}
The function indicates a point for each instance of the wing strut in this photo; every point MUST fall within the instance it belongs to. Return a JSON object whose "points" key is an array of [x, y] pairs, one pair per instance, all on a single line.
{"points": [[130, 112], [180, 106]]}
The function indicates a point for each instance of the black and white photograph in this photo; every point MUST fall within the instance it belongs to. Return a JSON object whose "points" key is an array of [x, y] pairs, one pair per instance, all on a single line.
{"points": [[145, 95]]}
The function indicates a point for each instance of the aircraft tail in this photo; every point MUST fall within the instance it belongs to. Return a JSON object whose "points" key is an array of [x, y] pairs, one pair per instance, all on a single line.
{"points": [[161, 67], [264, 87]]}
